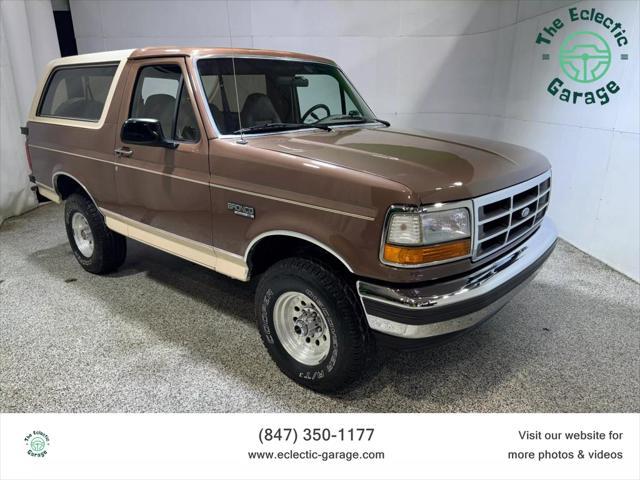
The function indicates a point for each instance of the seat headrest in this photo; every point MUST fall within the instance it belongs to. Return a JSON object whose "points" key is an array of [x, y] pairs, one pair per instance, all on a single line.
{"points": [[258, 109], [160, 106]]}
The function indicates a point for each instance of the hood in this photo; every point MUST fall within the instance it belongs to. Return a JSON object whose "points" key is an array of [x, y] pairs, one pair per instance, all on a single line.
{"points": [[437, 167]]}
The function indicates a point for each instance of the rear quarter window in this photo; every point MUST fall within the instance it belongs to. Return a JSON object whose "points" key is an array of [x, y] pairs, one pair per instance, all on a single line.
{"points": [[77, 93]]}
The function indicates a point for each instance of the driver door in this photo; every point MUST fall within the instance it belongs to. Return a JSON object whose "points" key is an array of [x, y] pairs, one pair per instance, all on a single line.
{"points": [[165, 191]]}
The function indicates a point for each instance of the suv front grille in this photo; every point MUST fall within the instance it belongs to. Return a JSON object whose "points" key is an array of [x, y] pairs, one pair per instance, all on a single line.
{"points": [[504, 216]]}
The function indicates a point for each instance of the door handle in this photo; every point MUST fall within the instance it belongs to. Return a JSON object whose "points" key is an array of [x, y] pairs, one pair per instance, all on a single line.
{"points": [[123, 152]]}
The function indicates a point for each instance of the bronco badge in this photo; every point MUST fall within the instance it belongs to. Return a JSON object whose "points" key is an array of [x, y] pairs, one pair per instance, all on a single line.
{"points": [[242, 210]]}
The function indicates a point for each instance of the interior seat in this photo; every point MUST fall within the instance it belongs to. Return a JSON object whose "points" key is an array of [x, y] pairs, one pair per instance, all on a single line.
{"points": [[161, 107], [258, 110], [186, 123], [79, 107], [217, 114]]}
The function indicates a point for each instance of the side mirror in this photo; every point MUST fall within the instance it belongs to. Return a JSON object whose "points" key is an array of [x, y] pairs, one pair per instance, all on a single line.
{"points": [[145, 131]]}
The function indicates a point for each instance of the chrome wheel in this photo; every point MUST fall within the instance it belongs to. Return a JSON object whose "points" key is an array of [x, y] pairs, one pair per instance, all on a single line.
{"points": [[301, 328], [82, 235]]}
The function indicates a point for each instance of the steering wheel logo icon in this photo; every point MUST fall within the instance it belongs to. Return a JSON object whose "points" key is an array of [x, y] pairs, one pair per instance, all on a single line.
{"points": [[585, 56], [37, 444]]}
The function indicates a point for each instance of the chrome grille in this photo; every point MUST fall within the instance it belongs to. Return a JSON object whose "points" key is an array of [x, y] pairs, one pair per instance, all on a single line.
{"points": [[503, 217]]}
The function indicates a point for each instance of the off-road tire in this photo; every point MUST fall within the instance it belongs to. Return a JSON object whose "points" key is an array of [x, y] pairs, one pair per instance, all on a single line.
{"points": [[110, 248], [352, 345]]}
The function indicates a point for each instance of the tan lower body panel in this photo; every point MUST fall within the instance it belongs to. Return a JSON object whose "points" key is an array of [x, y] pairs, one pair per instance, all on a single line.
{"points": [[221, 261], [48, 192]]}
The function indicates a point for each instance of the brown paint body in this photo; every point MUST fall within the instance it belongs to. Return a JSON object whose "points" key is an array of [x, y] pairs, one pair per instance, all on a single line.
{"points": [[334, 187]]}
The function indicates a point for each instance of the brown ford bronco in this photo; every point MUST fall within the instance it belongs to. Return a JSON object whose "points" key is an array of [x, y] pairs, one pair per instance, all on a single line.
{"points": [[270, 164]]}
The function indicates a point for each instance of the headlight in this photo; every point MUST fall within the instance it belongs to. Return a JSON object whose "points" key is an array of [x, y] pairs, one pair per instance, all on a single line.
{"points": [[438, 227], [419, 238]]}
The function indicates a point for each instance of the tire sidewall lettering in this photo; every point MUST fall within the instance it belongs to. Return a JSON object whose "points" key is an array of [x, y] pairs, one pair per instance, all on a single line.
{"points": [[265, 315]]}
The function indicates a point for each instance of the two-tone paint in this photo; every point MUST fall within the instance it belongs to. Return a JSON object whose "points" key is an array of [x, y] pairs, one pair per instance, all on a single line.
{"points": [[332, 189]]}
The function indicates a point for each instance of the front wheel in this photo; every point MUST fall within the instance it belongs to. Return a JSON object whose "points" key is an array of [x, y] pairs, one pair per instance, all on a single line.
{"points": [[312, 325]]}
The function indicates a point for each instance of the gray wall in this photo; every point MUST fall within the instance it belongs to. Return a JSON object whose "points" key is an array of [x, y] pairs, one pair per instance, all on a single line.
{"points": [[466, 66]]}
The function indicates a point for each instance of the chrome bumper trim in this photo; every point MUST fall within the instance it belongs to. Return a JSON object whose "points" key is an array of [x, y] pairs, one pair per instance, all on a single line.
{"points": [[433, 300]]}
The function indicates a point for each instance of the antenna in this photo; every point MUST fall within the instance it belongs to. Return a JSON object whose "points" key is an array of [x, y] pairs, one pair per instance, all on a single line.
{"points": [[242, 140]]}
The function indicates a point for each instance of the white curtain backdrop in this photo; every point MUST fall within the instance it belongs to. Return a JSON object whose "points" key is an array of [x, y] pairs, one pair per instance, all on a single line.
{"points": [[28, 41]]}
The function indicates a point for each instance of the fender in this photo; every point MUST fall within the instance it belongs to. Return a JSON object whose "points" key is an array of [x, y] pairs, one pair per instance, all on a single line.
{"points": [[62, 172], [289, 233]]}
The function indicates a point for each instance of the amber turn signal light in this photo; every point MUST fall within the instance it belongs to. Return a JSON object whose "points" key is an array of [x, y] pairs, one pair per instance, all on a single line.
{"points": [[428, 254]]}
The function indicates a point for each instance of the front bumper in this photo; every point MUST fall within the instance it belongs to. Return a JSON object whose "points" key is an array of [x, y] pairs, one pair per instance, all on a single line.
{"points": [[442, 308]]}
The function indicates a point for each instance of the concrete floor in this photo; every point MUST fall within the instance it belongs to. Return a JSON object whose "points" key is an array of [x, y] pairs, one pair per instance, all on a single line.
{"points": [[165, 335]]}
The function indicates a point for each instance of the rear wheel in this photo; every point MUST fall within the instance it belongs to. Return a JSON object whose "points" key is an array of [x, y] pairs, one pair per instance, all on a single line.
{"points": [[312, 325], [97, 249]]}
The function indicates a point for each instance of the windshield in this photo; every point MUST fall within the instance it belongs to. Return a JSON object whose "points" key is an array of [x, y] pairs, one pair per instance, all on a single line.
{"points": [[278, 95]]}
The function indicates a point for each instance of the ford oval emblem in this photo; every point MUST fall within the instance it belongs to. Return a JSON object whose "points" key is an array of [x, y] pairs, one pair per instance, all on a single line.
{"points": [[525, 212]]}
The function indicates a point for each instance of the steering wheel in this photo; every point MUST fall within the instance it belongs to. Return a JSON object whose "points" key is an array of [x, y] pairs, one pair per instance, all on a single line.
{"points": [[313, 115]]}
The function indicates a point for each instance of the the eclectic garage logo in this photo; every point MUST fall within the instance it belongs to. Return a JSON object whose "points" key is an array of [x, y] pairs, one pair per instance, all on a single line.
{"points": [[37, 443], [584, 56]]}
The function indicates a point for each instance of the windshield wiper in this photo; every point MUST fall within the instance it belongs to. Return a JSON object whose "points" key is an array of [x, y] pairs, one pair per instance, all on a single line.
{"points": [[280, 126], [357, 119]]}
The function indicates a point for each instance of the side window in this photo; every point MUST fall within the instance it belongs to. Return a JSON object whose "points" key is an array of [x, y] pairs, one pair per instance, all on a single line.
{"points": [[77, 93], [186, 124], [155, 95], [160, 94]]}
